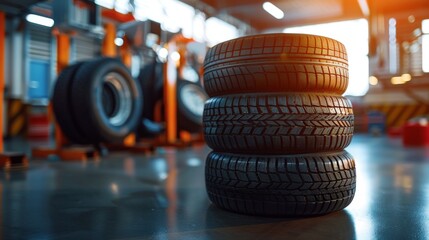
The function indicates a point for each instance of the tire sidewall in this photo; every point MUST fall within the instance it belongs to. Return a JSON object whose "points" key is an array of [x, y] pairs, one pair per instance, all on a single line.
{"points": [[91, 91]]}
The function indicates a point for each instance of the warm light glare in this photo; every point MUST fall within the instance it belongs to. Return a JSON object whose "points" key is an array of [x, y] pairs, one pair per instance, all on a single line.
{"points": [[37, 19], [425, 26], [373, 80], [406, 77], [397, 80], [273, 10], [354, 35]]}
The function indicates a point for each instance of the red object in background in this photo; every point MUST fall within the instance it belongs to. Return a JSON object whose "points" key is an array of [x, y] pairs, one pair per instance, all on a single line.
{"points": [[395, 132], [38, 127], [415, 134]]}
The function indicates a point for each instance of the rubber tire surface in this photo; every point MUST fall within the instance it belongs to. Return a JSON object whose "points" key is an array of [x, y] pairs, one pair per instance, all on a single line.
{"points": [[281, 185], [61, 104], [152, 85], [186, 119], [278, 124], [89, 81], [276, 63]]}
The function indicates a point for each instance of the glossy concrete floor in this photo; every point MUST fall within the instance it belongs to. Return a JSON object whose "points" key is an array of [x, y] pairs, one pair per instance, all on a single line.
{"points": [[162, 196]]}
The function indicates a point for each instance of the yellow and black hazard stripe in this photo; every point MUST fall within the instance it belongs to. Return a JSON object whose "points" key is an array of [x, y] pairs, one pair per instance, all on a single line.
{"points": [[16, 117], [398, 114]]}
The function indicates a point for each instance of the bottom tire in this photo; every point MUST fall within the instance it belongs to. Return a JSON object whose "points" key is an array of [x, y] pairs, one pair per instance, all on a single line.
{"points": [[281, 185]]}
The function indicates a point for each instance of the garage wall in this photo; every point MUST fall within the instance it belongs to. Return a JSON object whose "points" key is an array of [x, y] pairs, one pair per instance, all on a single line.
{"points": [[85, 47], [38, 57]]}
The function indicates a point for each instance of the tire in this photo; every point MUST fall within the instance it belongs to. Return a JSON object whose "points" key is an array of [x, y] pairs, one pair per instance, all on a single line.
{"points": [[276, 63], [107, 100], [61, 104], [152, 86], [278, 124], [281, 185], [190, 106]]}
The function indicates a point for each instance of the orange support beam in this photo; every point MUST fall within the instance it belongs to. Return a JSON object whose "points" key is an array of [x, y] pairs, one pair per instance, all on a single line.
{"points": [[126, 53], [2, 74], [63, 57], [170, 101], [109, 47], [7, 160]]}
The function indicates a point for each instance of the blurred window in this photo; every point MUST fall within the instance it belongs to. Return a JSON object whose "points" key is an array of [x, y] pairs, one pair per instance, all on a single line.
{"points": [[354, 35], [425, 45], [218, 31]]}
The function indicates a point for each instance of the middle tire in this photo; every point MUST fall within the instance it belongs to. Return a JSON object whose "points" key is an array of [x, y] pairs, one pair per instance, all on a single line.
{"points": [[278, 123]]}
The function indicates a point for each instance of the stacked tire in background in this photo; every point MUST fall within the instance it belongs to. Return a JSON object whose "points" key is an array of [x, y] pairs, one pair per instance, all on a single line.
{"points": [[278, 125]]}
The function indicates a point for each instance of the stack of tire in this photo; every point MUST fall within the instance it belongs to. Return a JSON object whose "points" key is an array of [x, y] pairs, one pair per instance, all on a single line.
{"points": [[278, 125], [97, 101]]}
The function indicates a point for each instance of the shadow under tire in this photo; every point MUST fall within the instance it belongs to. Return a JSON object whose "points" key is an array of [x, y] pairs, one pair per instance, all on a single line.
{"points": [[278, 123], [276, 63], [106, 100], [281, 185], [61, 104]]}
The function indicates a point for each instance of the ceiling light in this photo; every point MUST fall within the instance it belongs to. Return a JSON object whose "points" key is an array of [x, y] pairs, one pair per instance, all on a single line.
{"points": [[273, 10], [119, 41], [37, 19], [175, 56]]}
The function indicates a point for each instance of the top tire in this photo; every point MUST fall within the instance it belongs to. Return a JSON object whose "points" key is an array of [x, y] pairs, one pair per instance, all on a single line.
{"points": [[276, 63]]}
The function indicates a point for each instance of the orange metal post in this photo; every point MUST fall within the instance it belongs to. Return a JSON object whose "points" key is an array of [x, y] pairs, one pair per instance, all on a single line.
{"points": [[126, 53], [170, 76], [109, 47], [63, 57], [2, 62]]}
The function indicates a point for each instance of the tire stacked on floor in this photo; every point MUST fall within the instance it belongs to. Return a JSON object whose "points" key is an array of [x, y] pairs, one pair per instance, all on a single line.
{"points": [[278, 125]]}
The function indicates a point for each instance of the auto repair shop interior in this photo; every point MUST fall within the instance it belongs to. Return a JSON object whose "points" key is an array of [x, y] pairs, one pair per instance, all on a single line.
{"points": [[214, 119]]}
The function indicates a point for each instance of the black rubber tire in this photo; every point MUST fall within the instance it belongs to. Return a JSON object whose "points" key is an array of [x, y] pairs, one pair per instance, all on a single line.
{"points": [[61, 104], [276, 63], [281, 185], [152, 86], [189, 118], [278, 124], [86, 91]]}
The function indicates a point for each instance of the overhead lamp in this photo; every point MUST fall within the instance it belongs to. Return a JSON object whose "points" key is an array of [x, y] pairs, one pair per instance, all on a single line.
{"points": [[119, 41], [273, 10], [40, 20], [175, 56]]}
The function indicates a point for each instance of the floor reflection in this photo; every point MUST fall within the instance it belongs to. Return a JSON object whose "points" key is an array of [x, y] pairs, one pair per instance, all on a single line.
{"points": [[162, 196]]}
